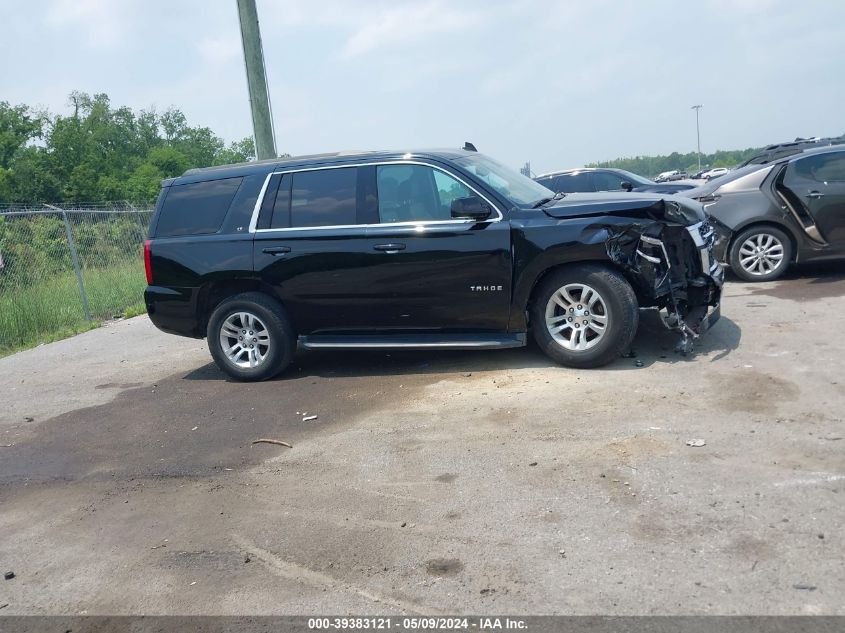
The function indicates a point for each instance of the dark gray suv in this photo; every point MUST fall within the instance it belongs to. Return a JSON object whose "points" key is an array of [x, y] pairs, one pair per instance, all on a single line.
{"points": [[769, 216]]}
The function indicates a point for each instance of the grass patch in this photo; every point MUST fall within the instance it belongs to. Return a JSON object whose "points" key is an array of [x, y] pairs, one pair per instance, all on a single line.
{"points": [[136, 309], [52, 309]]}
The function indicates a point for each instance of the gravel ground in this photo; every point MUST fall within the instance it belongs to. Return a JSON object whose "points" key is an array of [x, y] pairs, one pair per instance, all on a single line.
{"points": [[461, 482]]}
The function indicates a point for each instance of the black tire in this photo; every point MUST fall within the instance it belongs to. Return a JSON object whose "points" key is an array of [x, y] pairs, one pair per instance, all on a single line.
{"points": [[280, 335], [753, 233], [618, 304]]}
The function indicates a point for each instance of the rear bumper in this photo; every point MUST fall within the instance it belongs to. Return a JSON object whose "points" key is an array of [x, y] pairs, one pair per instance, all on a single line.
{"points": [[721, 240], [173, 310]]}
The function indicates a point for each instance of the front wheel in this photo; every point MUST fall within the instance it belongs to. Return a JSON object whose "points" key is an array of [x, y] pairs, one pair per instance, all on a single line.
{"points": [[250, 337], [584, 316]]}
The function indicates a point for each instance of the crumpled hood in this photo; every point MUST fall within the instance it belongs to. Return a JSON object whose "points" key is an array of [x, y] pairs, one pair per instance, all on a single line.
{"points": [[649, 205]]}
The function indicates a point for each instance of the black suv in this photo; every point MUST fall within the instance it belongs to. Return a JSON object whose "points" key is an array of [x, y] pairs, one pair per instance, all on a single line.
{"points": [[429, 249]]}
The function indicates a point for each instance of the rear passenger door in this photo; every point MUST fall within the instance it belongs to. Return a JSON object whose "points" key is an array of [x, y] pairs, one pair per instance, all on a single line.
{"points": [[427, 270], [818, 182], [311, 248]]}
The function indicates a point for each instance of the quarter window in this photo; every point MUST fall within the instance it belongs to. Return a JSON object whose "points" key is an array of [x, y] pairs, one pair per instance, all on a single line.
{"points": [[197, 208], [416, 193], [324, 197]]}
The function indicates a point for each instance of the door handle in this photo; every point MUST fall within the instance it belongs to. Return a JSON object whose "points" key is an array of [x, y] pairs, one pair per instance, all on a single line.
{"points": [[276, 250], [815, 195], [389, 248]]}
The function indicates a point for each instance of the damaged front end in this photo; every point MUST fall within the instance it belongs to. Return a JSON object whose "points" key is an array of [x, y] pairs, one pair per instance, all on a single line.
{"points": [[669, 259]]}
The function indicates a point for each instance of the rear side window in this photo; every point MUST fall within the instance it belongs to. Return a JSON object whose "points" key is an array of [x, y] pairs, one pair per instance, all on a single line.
{"points": [[197, 208], [281, 208], [547, 181], [823, 167], [325, 197], [573, 183]]}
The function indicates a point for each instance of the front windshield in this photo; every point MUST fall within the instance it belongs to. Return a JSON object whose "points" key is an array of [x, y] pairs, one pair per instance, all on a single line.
{"points": [[517, 188]]}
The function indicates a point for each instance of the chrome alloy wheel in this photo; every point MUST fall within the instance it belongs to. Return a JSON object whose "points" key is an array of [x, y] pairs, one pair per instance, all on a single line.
{"points": [[576, 317], [761, 254], [244, 339]]}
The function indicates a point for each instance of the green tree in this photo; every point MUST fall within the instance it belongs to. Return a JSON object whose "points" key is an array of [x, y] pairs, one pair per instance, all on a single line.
{"points": [[96, 152], [18, 126]]}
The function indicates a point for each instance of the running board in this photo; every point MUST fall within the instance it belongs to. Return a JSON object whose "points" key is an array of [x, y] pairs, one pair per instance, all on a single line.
{"points": [[415, 341]]}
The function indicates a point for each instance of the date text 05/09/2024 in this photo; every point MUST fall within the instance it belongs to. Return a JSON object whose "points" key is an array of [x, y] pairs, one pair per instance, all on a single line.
{"points": [[417, 623]]}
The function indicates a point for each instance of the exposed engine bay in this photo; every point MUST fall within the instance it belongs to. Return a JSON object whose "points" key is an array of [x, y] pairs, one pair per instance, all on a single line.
{"points": [[673, 270]]}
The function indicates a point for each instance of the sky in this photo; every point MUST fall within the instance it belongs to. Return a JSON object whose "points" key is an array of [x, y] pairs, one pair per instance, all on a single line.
{"points": [[559, 83]]}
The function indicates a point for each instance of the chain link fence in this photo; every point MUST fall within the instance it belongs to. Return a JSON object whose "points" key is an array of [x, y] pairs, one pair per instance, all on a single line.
{"points": [[62, 269]]}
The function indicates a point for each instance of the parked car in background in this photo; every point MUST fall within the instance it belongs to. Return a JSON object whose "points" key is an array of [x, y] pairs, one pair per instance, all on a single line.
{"points": [[673, 174], [589, 179], [710, 174], [442, 249], [767, 216]]}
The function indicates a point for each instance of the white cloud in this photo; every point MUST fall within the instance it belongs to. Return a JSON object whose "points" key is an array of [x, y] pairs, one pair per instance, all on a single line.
{"points": [[219, 49], [407, 24], [743, 7], [103, 24]]}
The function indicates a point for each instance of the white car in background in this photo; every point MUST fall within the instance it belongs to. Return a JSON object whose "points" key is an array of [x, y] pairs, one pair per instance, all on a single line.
{"points": [[715, 173]]}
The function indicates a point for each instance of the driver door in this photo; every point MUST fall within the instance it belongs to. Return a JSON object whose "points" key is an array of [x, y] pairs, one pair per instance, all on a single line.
{"points": [[427, 270]]}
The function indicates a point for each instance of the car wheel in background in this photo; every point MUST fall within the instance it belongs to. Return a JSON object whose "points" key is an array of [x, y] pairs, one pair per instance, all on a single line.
{"points": [[760, 253], [584, 316], [250, 337]]}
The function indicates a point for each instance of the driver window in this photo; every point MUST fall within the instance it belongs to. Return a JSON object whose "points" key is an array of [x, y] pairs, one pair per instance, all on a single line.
{"points": [[449, 189], [604, 181], [416, 193]]}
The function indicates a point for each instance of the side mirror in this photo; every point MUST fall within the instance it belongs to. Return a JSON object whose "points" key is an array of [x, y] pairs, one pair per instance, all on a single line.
{"points": [[471, 208], [627, 186]]}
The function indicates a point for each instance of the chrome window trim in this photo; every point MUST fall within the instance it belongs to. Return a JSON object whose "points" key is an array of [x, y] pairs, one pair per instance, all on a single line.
{"points": [[418, 223]]}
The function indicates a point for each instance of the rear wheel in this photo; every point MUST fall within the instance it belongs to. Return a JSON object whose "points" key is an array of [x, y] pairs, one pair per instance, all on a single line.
{"points": [[584, 316], [250, 338], [760, 253]]}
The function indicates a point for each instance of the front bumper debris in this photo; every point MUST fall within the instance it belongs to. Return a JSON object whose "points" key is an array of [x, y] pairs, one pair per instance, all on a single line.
{"points": [[675, 271]]}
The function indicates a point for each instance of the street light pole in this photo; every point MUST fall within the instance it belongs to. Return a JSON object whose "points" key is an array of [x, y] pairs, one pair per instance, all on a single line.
{"points": [[256, 79], [697, 134]]}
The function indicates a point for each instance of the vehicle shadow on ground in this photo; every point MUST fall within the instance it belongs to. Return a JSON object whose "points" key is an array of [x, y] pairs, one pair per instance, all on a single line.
{"points": [[802, 282], [653, 344]]}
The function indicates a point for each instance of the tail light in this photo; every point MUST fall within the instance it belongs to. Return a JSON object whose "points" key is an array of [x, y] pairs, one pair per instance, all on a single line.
{"points": [[147, 265]]}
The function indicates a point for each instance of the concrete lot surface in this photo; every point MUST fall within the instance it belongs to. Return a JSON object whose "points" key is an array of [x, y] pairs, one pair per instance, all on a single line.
{"points": [[463, 482]]}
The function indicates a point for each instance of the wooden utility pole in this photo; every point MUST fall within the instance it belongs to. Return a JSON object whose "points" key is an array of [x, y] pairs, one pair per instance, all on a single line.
{"points": [[256, 78]]}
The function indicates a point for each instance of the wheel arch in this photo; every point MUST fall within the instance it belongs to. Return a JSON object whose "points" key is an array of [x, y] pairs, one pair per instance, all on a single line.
{"points": [[525, 302], [770, 222], [213, 293]]}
